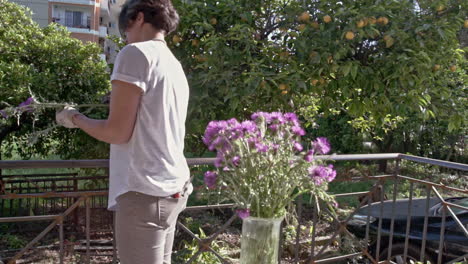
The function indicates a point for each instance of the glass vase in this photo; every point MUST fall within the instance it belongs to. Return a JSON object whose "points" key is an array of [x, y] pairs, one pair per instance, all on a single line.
{"points": [[260, 240]]}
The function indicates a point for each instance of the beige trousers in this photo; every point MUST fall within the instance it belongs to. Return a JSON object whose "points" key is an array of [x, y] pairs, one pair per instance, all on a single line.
{"points": [[145, 227]]}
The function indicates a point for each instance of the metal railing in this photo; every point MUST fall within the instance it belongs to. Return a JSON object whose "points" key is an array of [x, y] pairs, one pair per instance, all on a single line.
{"points": [[374, 198]]}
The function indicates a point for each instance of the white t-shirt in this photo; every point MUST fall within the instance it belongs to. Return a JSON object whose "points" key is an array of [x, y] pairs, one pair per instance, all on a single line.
{"points": [[153, 160]]}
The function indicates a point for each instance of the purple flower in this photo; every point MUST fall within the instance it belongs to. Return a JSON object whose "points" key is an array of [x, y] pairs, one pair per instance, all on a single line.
{"points": [[322, 174], [249, 127], [261, 147], [4, 114], [219, 161], [297, 130], [331, 173], [309, 156], [28, 101], [233, 122], [25, 106], [297, 146], [210, 179], [243, 213], [217, 143], [273, 127], [275, 147], [292, 118], [317, 174], [277, 118], [236, 160], [252, 141], [212, 130], [321, 145]]}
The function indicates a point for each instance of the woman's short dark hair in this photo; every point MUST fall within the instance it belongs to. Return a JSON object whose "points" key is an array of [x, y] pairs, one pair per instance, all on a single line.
{"points": [[159, 13]]}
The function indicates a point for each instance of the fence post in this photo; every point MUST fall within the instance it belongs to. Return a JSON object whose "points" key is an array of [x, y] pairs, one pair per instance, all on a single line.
{"points": [[87, 230], [75, 213]]}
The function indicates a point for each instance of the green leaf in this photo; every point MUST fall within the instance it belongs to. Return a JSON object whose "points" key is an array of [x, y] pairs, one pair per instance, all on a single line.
{"points": [[345, 69], [354, 70]]}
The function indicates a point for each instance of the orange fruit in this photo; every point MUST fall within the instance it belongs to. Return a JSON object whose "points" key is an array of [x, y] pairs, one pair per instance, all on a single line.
{"points": [[313, 82], [195, 42], [453, 68], [284, 92], [349, 35], [361, 23], [176, 39], [315, 25], [366, 21], [436, 67], [304, 17], [382, 20], [372, 20], [283, 86], [327, 19], [213, 21], [465, 24]]}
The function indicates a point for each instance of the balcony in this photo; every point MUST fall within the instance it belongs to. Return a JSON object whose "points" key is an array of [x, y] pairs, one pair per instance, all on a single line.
{"points": [[76, 27], [82, 30], [77, 2], [75, 21], [103, 31]]}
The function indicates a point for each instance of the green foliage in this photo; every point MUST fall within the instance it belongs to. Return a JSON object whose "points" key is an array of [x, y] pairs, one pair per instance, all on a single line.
{"points": [[190, 248], [12, 241], [340, 133], [51, 66], [243, 56]]}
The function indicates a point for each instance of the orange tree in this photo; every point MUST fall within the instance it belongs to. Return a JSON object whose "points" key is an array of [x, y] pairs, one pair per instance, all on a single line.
{"points": [[378, 62]]}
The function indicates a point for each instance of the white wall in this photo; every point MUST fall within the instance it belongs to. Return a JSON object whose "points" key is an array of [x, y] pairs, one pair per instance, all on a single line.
{"points": [[40, 9]]}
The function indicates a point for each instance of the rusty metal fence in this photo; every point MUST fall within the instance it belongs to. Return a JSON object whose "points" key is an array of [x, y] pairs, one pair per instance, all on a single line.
{"points": [[69, 195]]}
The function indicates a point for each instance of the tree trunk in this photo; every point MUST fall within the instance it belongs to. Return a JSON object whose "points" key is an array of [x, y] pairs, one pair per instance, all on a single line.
{"points": [[384, 146]]}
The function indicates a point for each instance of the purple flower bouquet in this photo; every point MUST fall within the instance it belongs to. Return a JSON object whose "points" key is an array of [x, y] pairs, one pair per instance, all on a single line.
{"points": [[262, 165]]}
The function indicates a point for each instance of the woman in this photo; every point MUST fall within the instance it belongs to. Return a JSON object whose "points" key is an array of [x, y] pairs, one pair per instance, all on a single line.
{"points": [[149, 176]]}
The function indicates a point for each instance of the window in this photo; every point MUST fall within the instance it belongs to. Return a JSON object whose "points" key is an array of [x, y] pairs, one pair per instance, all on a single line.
{"points": [[77, 18], [74, 19], [68, 18]]}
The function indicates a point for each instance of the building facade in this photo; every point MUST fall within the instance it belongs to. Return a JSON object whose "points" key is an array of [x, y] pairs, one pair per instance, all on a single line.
{"points": [[87, 20]]}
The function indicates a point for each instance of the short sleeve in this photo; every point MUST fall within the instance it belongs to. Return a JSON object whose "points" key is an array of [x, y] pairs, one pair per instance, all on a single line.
{"points": [[131, 66]]}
